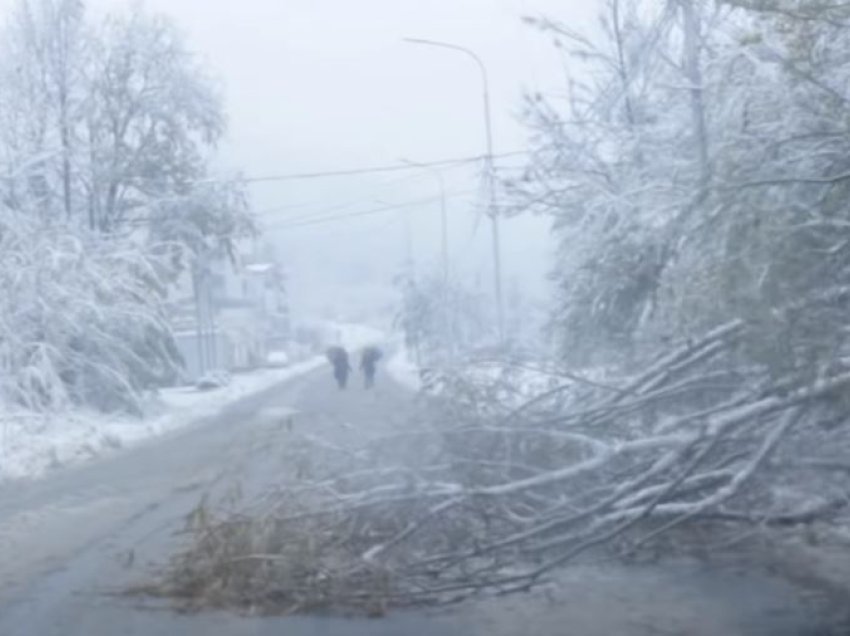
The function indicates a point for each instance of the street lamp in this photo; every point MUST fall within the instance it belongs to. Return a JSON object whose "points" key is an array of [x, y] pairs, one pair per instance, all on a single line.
{"points": [[488, 130]]}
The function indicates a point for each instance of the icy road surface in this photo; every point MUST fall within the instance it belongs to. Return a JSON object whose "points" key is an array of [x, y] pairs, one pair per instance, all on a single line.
{"points": [[69, 542]]}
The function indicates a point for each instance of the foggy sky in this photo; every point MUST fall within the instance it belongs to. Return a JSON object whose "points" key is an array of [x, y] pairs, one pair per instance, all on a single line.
{"points": [[317, 85]]}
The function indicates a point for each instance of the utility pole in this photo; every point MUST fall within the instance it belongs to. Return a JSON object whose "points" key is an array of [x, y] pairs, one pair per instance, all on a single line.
{"points": [[444, 221], [489, 175], [409, 263], [448, 323], [212, 340], [197, 287]]}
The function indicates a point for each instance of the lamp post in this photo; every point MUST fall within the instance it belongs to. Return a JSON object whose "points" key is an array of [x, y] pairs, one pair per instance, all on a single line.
{"points": [[488, 131]]}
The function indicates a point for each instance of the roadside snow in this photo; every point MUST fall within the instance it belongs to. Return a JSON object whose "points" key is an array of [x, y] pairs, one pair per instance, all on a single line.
{"points": [[187, 401], [32, 444], [519, 383], [402, 369], [278, 358]]}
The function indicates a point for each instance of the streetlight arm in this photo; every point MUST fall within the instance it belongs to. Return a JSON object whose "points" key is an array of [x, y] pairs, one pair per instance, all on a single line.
{"points": [[484, 79], [455, 47], [488, 127]]}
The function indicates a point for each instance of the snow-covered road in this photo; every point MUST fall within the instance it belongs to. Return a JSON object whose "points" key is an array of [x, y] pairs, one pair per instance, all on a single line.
{"points": [[67, 538], [73, 541]]}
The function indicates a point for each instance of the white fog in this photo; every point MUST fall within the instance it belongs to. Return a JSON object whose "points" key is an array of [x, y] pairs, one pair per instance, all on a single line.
{"points": [[287, 67], [424, 317]]}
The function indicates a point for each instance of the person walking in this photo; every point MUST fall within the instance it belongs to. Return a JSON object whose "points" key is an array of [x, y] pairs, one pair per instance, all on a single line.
{"points": [[338, 357], [369, 365]]}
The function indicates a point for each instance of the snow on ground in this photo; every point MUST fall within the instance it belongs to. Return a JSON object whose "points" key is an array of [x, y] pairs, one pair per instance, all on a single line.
{"points": [[404, 371], [32, 444], [182, 402]]}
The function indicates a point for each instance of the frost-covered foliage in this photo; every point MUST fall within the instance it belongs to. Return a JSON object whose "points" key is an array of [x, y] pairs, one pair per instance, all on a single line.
{"points": [[206, 220], [167, 110], [698, 173], [107, 116], [80, 319], [107, 125], [439, 318]]}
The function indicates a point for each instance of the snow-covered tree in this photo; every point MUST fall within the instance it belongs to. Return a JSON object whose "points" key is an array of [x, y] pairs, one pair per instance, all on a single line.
{"points": [[440, 319], [106, 131], [696, 173], [614, 168], [45, 56], [153, 115], [110, 116]]}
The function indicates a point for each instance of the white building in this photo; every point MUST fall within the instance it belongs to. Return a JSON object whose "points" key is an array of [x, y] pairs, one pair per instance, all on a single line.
{"points": [[229, 315]]}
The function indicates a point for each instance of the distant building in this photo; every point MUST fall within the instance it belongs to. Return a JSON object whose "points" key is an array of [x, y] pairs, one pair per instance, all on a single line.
{"points": [[267, 287], [230, 315]]}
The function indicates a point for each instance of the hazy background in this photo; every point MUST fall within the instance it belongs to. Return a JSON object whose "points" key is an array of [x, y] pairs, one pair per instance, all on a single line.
{"points": [[314, 85]]}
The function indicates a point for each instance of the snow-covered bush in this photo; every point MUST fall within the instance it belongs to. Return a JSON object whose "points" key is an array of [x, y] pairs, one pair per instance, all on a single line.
{"points": [[107, 125], [80, 318]]}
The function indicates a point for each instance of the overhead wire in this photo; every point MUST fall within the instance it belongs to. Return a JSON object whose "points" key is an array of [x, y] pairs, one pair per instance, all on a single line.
{"points": [[322, 214], [317, 220], [340, 206], [395, 167]]}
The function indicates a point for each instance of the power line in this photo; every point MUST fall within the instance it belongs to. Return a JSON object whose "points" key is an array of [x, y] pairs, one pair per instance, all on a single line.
{"points": [[341, 206], [322, 216], [355, 202], [350, 215], [391, 183], [338, 209], [314, 219], [396, 167]]}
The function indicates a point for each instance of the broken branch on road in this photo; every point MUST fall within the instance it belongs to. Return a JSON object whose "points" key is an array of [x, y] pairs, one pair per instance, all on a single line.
{"points": [[487, 498]]}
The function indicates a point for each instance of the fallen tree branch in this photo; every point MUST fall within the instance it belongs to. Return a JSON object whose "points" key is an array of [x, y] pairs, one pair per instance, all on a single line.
{"points": [[483, 501]]}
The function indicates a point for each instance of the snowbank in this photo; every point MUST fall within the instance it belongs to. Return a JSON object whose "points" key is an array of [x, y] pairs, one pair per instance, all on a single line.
{"points": [[403, 370], [31, 445]]}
